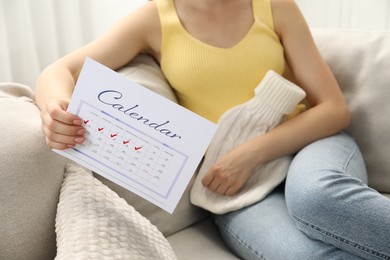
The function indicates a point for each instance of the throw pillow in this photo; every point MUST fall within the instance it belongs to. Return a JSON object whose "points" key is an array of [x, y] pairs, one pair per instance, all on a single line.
{"points": [[360, 62]]}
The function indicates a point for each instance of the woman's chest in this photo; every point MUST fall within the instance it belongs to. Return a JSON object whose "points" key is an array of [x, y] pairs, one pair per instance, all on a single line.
{"points": [[219, 28]]}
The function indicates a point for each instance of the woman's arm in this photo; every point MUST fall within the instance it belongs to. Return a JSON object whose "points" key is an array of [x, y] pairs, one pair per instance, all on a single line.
{"points": [[328, 115], [136, 33]]}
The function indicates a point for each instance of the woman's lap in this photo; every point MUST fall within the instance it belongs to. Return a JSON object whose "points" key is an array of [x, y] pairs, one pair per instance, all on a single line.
{"points": [[324, 201]]}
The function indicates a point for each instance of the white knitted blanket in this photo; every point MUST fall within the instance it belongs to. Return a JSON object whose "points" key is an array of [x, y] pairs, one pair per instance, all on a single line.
{"points": [[93, 222]]}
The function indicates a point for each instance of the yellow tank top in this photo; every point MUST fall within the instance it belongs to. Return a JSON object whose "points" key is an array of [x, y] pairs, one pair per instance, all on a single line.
{"points": [[209, 80]]}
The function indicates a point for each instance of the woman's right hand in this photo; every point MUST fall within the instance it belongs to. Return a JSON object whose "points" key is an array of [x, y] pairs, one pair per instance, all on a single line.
{"points": [[62, 129]]}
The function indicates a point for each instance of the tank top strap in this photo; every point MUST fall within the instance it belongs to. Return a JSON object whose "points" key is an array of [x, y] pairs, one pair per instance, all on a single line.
{"points": [[167, 12], [262, 11]]}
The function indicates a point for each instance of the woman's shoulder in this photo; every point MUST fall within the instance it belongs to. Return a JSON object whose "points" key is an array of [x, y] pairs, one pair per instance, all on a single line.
{"points": [[154, 36], [148, 21], [283, 6], [148, 11], [284, 12], [282, 2]]}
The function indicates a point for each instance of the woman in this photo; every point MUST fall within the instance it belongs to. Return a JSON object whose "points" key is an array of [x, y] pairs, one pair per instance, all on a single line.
{"points": [[214, 53]]}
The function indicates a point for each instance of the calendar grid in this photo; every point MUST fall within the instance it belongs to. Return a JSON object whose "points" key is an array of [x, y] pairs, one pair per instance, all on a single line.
{"points": [[135, 155]]}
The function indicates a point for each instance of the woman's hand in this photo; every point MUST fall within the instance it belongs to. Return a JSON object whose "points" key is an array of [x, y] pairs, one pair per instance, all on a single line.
{"points": [[231, 171], [62, 129]]}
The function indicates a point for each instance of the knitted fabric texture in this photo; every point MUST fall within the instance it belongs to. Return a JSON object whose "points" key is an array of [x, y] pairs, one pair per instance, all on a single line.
{"points": [[274, 98], [93, 222]]}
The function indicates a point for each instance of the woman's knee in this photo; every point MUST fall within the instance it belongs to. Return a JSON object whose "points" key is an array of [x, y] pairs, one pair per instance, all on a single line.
{"points": [[322, 170], [335, 154]]}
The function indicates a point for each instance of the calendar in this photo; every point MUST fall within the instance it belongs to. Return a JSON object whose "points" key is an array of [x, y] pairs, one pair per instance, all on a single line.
{"points": [[122, 148], [136, 138]]}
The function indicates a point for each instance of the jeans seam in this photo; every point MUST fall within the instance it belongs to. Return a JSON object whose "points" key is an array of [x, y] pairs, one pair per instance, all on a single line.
{"points": [[353, 153], [248, 247], [342, 240]]}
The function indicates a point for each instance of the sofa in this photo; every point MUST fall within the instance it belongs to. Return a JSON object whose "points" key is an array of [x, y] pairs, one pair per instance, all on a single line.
{"points": [[31, 174]]}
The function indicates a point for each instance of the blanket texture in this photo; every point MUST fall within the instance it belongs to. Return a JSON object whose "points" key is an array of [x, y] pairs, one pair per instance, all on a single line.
{"points": [[274, 98], [93, 222]]}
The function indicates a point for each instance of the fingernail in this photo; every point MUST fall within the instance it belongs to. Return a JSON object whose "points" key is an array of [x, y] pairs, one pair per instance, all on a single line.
{"points": [[78, 122], [79, 140], [81, 131]]}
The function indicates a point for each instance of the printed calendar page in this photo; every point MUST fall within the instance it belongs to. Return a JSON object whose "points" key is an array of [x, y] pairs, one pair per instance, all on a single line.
{"points": [[136, 138]]}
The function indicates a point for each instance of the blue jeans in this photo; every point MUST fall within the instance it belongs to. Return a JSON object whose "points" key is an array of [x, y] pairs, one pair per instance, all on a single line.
{"points": [[324, 210]]}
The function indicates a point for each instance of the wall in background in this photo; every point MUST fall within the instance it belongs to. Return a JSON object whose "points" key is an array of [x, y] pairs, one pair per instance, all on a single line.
{"points": [[34, 33], [347, 14]]}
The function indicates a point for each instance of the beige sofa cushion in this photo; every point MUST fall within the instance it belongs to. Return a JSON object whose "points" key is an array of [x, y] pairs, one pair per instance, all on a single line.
{"points": [[144, 70], [361, 63], [30, 179]]}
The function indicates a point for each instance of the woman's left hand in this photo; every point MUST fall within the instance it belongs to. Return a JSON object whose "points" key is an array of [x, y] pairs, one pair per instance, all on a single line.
{"points": [[230, 172]]}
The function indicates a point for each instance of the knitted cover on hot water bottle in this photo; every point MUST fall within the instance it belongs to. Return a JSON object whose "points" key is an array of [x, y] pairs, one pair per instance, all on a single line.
{"points": [[274, 98], [93, 222]]}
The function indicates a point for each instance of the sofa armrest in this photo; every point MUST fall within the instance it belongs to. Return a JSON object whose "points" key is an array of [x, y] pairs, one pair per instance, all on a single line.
{"points": [[30, 179]]}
